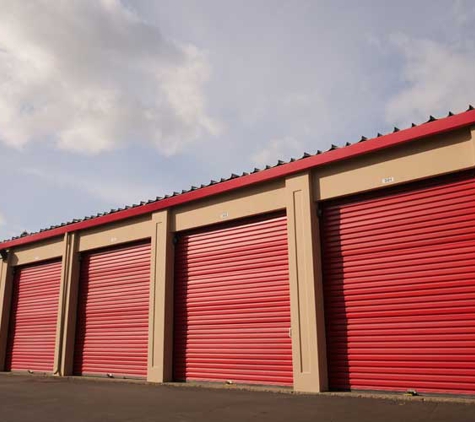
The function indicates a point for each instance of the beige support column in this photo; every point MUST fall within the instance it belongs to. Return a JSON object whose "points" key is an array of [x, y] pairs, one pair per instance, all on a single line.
{"points": [[6, 275], [66, 328], [160, 346], [306, 296]]}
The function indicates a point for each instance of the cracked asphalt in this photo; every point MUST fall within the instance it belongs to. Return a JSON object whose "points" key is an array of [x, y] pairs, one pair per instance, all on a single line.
{"points": [[46, 399]]}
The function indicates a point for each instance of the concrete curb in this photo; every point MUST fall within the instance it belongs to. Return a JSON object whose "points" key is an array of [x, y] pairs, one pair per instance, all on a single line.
{"points": [[388, 396]]}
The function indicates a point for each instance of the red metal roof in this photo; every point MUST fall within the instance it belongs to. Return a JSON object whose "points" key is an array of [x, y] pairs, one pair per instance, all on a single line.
{"points": [[430, 128]]}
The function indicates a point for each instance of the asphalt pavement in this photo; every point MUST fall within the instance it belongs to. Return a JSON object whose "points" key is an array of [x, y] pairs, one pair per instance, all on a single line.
{"points": [[48, 399]]}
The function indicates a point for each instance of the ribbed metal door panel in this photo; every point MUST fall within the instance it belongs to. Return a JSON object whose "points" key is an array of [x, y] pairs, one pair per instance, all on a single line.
{"points": [[112, 322], [33, 318], [232, 305], [399, 284]]}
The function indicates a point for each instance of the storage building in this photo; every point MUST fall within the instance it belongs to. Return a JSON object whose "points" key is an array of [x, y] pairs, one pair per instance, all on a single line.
{"points": [[351, 269]]}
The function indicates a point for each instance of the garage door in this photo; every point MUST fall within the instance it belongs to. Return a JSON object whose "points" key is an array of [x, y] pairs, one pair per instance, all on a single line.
{"points": [[399, 283], [112, 322], [232, 306], [33, 318]]}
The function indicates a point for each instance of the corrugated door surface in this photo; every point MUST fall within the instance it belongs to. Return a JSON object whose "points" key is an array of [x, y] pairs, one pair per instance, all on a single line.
{"points": [[232, 306], [33, 319], [112, 324], [399, 283]]}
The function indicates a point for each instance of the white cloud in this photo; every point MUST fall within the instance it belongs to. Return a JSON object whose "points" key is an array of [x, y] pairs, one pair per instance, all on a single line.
{"points": [[90, 75], [463, 12], [114, 193], [438, 77], [277, 149]]}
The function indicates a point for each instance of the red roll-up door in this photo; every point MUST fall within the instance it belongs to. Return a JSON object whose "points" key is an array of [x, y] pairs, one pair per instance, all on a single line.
{"points": [[232, 305], [33, 318], [112, 322], [399, 284]]}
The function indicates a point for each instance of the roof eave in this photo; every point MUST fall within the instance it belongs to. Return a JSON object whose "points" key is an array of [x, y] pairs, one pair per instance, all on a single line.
{"points": [[425, 130]]}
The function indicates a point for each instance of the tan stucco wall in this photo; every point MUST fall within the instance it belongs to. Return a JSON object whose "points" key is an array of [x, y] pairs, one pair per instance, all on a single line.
{"points": [[307, 316], [66, 328], [41, 251], [230, 206], [115, 234], [160, 351], [417, 160]]}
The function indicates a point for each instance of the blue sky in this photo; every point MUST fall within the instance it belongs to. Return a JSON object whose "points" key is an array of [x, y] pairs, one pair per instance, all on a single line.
{"points": [[106, 103]]}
